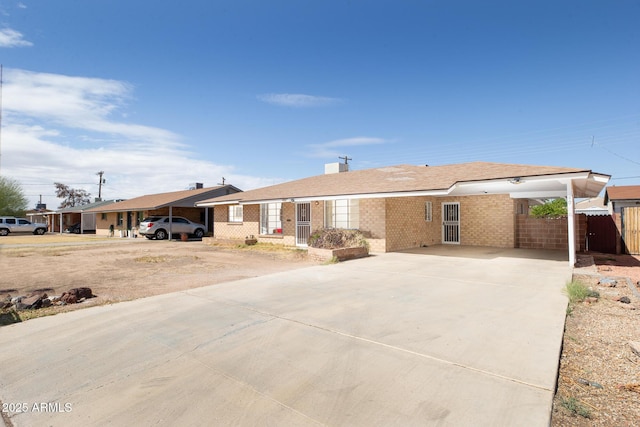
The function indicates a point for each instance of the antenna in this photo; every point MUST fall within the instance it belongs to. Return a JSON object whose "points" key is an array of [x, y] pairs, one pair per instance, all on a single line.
{"points": [[223, 180], [346, 159]]}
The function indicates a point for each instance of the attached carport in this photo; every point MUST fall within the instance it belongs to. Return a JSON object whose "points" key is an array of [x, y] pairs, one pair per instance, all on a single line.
{"points": [[569, 186], [443, 336]]}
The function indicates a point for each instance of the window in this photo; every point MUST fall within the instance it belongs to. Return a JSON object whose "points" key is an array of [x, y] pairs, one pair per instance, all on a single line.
{"points": [[271, 218], [235, 213], [120, 220], [103, 216], [428, 212], [342, 214]]}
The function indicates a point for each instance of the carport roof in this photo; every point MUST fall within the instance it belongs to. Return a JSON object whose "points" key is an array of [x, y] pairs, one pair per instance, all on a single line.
{"points": [[521, 181], [183, 198], [83, 208]]}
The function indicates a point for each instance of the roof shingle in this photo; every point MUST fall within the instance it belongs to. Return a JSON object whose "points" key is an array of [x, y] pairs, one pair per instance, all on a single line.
{"points": [[394, 179]]}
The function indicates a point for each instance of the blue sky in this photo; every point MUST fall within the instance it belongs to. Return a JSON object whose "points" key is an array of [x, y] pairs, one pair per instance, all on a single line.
{"points": [[159, 94]]}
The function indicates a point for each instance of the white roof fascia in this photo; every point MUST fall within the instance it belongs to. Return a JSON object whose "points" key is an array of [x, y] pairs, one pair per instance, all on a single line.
{"points": [[226, 202], [350, 197]]}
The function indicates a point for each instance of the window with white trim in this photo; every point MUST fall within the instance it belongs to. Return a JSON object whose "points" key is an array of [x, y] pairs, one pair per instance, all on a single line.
{"points": [[428, 212], [343, 213], [271, 218], [235, 213]]}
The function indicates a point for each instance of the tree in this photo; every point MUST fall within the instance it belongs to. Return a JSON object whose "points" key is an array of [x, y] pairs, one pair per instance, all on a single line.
{"points": [[551, 209], [13, 202], [72, 196]]}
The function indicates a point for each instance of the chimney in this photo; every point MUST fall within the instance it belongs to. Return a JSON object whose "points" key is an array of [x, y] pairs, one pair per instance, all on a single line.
{"points": [[196, 185], [335, 168]]}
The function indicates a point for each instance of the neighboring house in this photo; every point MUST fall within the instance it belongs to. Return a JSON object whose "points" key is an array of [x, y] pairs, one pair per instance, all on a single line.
{"points": [[592, 206], [125, 216], [64, 218], [623, 203], [406, 206], [39, 215], [618, 197]]}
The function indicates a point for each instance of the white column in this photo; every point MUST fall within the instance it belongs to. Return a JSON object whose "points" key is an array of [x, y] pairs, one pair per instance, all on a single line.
{"points": [[571, 224]]}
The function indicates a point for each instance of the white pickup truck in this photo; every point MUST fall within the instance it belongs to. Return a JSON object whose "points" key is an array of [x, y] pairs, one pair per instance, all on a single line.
{"points": [[10, 224]]}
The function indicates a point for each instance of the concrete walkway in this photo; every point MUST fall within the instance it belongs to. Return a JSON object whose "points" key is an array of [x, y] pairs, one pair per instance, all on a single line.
{"points": [[438, 336]]}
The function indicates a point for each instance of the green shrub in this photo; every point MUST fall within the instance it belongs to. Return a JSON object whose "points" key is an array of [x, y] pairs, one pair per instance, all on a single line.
{"points": [[552, 209], [336, 238]]}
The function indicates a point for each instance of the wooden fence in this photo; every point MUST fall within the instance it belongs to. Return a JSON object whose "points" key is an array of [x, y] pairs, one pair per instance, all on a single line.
{"points": [[631, 230]]}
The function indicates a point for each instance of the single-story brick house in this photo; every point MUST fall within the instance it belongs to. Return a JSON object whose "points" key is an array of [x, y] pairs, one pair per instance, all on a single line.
{"points": [[125, 216], [406, 206], [64, 218]]}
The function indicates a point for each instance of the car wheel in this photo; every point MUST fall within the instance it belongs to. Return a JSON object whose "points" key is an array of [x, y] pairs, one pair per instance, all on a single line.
{"points": [[39, 231], [161, 235], [4, 231], [199, 233]]}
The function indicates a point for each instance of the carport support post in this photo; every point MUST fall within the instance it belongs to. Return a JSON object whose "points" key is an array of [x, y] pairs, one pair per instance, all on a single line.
{"points": [[60, 222], [571, 224]]}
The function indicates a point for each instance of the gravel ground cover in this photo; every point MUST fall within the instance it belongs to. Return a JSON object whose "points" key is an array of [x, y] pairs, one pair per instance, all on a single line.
{"points": [[599, 377]]}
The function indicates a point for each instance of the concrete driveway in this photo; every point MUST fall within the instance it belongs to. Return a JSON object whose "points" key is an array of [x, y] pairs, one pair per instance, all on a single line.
{"points": [[446, 336]]}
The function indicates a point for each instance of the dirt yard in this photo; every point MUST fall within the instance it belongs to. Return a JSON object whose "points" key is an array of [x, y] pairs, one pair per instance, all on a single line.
{"points": [[124, 269]]}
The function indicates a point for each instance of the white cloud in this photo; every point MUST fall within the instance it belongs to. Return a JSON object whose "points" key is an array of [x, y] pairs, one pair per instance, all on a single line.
{"points": [[328, 149], [12, 38], [297, 100], [65, 129], [21, 5]]}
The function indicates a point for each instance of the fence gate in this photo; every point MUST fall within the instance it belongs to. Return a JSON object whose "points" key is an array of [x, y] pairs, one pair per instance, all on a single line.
{"points": [[631, 229], [451, 223], [601, 234], [303, 223]]}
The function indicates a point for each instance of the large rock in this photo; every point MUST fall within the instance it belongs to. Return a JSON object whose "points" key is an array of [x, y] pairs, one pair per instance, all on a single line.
{"points": [[76, 295], [82, 292], [32, 302]]}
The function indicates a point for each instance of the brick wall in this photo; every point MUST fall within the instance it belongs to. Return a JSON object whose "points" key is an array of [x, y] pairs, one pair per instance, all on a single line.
{"points": [[486, 220], [549, 233], [406, 226], [372, 223]]}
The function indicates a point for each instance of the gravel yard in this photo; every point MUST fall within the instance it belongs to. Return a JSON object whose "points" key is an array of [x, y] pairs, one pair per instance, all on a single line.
{"points": [[599, 379]]}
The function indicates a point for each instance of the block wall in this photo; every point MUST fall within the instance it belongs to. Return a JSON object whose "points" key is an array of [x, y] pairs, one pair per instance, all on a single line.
{"points": [[549, 233]]}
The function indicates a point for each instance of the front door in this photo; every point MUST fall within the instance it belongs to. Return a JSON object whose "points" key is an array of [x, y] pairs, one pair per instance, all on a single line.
{"points": [[451, 223], [303, 223]]}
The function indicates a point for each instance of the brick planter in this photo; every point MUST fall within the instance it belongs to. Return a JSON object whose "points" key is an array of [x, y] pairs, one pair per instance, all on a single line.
{"points": [[341, 254]]}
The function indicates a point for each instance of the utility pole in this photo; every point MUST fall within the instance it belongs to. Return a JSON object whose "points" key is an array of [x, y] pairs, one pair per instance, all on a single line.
{"points": [[346, 159], [102, 181]]}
